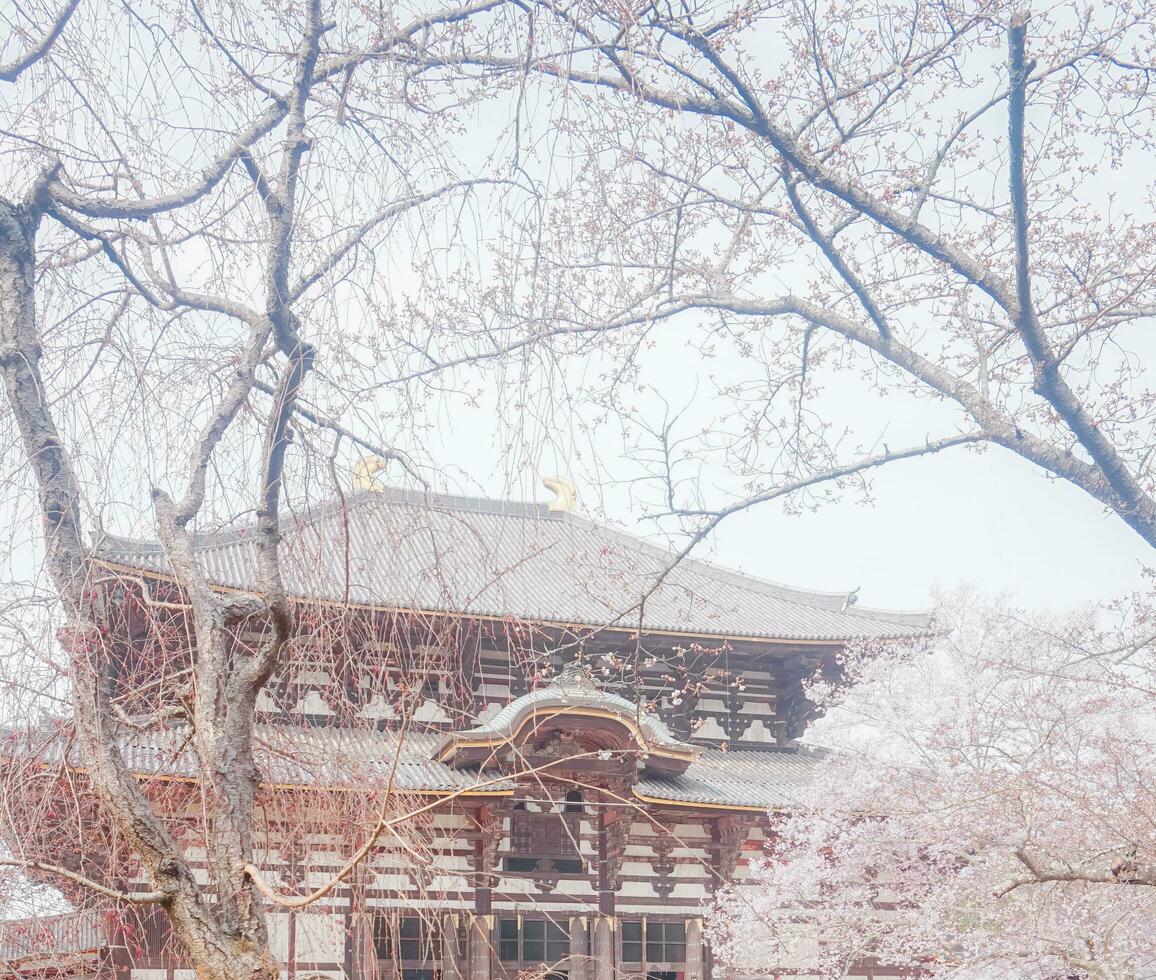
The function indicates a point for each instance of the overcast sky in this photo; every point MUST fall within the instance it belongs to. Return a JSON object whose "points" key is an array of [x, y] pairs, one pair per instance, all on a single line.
{"points": [[986, 519], [990, 521]]}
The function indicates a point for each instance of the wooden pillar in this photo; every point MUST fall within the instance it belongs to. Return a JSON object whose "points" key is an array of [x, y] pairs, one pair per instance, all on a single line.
{"points": [[613, 830], [452, 966], [370, 964], [779, 691], [147, 920], [604, 948], [355, 924], [605, 893], [695, 962], [489, 823], [479, 947], [365, 965], [579, 965], [120, 960]]}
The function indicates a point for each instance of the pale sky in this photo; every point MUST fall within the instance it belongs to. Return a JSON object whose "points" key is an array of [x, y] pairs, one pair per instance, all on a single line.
{"points": [[984, 518], [989, 520]]}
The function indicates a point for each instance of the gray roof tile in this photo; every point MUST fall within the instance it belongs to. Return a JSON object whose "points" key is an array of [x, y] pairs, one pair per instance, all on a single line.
{"points": [[341, 757], [72, 932], [763, 779], [485, 558]]}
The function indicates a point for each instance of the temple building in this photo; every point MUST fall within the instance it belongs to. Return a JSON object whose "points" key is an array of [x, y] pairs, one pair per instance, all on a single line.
{"points": [[581, 740]]}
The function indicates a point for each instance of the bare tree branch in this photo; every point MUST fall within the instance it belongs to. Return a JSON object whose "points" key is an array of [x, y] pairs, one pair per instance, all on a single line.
{"points": [[135, 898], [11, 71]]}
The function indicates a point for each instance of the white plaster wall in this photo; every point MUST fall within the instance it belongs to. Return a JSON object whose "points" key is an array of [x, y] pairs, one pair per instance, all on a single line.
{"points": [[279, 934], [320, 937]]}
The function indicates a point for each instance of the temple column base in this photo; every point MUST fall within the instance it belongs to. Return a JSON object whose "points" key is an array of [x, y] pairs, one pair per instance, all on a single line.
{"points": [[602, 949], [479, 953], [453, 967], [694, 950], [580, 966]]}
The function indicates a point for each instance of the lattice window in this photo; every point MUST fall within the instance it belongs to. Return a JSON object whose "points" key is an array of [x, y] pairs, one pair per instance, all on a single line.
{"points": [[544, 842], [408, 940], [662, 941], [528, 941]]}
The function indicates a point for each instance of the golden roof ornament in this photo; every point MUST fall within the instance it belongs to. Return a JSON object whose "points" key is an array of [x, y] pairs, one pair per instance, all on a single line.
{"points": [[566, 495], [575, 678], [363, 471]]}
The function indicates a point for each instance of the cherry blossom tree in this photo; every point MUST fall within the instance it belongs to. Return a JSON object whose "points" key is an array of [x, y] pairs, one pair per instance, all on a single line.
{"points": [[989, 813], [880, 231], [208, 292], [204, 207]]}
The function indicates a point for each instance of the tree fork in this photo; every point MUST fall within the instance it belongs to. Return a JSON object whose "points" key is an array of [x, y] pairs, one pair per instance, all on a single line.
{"points": [[216, 954]]}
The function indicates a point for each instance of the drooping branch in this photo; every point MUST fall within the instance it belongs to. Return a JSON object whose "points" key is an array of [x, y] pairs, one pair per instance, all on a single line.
{"points": [[389, 825], [711, 519], [125, 208], [996, 426], [737, 102], [323, 421], [143, 237], [355, 237], [67, 556]]}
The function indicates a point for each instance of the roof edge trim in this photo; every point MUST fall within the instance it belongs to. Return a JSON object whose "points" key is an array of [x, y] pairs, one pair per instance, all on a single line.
{"points": [[835, 641]]}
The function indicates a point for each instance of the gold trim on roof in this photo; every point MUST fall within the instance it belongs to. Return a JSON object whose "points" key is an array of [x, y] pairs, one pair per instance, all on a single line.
{"points": [[658, 801], [644, 745]]}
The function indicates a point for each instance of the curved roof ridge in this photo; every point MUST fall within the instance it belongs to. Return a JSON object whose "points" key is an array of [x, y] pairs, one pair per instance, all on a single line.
{"points": [[837, 600], [428, 499], [743, 779], [574, 687], [479, 556]]}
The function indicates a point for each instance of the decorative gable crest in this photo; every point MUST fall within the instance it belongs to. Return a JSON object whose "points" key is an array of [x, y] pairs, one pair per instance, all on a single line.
{"points": [[571, 717]]}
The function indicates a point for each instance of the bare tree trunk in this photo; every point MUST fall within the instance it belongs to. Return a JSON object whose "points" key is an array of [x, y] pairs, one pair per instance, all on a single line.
{"points": [[236, 950]]}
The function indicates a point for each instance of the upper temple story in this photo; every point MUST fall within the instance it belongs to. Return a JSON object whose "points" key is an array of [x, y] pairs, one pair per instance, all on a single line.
{"points": [[439, 611]]}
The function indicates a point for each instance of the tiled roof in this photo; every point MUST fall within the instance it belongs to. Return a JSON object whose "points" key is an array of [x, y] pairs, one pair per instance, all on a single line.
{"points": [[765, 779], [291, 755], [73, 932], [404, 550], [338, 757]]}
